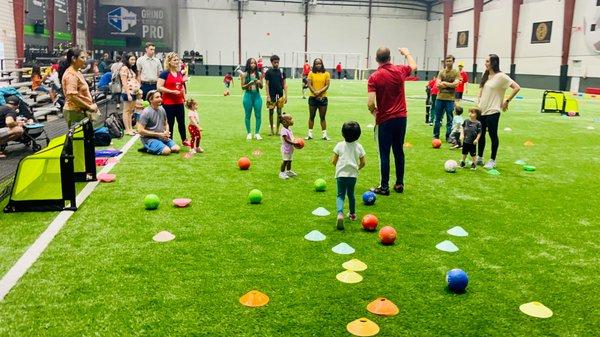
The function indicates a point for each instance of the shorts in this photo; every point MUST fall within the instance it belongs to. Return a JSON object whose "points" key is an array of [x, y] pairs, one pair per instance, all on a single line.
{"points": [[227, 85], [286, 156], [276, 104], [124, 98], [469, 148], [156, 146], [314, 101], [458, 95], [304, 82]]}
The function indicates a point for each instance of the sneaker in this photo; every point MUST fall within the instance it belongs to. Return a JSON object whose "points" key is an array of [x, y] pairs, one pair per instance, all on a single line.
{"points": [[186, 143], [399, 188], [199, 149], [257, 137], [490, 164], [462, 163], [430, 124], [282, 175], [479, 161], [249, 136], [473, 166], [291, 173], [455, 146], [352, 216], [309, 137], [380, 190], [325, 137], [340, 221]]}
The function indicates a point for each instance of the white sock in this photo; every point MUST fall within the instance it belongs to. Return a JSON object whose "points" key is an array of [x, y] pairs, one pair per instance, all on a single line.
{"points": [[310, 132], [324, 133]]}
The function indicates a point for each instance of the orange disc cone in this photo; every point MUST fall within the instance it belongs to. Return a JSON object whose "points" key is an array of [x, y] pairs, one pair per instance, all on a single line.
{"points": [[363, 327], [254, 298], [383, 307]]}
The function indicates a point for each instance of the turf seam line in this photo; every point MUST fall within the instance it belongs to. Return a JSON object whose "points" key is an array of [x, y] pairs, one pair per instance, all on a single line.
{"points": [[10, 279]]}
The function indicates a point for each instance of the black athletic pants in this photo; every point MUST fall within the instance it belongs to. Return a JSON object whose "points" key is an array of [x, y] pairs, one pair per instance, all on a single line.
{"points": [[176, 111], [489, 123]]}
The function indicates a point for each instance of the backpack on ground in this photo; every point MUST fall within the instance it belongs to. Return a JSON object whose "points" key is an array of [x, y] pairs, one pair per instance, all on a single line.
{"points": [[102, 136], [114, 126]]}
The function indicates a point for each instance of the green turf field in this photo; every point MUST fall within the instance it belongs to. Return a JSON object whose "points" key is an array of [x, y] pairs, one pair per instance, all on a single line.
{"points": [[533, 236]]}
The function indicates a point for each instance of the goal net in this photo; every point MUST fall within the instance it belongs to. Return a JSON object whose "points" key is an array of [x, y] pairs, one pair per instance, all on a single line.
{"points": [[352, 63]]}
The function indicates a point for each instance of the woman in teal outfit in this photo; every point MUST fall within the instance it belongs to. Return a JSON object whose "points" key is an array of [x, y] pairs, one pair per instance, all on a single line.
{"points": [[252, 82]]}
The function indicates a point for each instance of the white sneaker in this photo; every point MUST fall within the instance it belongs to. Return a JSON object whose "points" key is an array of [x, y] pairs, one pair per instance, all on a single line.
{"points": [[282, 175], [249, 136], [479, 161], [257, 137], [490, 165], [325, 137], [309, 136], [291, 173]]}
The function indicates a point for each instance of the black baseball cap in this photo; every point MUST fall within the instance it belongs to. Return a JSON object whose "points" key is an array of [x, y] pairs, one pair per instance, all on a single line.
{"points": [[14, 100]]}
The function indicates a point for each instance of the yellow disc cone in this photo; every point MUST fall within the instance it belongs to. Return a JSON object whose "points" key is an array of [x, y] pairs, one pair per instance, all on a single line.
{"points": [[349, 276], [536, 309], [254, 298], [528, 143], [383, 307], [354, 265], [363, 327]]}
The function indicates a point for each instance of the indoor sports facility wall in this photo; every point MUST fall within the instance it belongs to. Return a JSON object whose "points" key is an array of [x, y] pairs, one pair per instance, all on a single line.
{"points": [[211, 27], [537, 64]]}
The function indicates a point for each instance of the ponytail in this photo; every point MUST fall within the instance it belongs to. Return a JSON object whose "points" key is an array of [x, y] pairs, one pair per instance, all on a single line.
{"points": [[72, 54]]}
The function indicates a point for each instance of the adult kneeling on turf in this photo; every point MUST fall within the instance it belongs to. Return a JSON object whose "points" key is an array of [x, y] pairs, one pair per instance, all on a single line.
{"points": [[154, 129], [386, 88]]}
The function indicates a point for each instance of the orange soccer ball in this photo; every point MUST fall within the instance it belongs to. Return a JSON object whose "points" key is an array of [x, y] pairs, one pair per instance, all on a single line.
{"points": [[436, 143], [387, 235], [244, 163], [370, 222], [299, 143]]}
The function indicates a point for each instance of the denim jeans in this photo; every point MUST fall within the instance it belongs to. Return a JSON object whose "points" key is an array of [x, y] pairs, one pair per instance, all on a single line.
{"points": [[390, 135], [440, 107], [345, 185]]}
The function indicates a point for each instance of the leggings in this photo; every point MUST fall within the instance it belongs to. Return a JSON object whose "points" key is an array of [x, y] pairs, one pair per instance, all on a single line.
{"points": [[345, 186], [391, 134], [196, 136], [489, 123], [251, 100], [176, 111]]}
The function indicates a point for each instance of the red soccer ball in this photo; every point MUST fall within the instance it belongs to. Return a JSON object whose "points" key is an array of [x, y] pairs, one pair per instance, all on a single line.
{"points": [[370, 222], [299, 143], [387, 235], [244, 163], [436, 143]]}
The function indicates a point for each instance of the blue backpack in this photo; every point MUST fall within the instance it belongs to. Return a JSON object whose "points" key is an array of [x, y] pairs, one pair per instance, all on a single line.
{"points": [[102, 136]]}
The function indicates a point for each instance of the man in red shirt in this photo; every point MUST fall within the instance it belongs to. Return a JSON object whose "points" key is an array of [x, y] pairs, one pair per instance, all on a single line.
{"points": [[305, 72], [338, 70], [387, 103], [462, 86]]}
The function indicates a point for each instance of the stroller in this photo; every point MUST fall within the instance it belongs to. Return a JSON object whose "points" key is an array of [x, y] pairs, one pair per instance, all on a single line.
{"points": [[33, 133]]}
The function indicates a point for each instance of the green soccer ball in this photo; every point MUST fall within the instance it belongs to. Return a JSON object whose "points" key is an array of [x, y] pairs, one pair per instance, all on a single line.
{"points": [[320, 185], [151, 201], [255, 196]]}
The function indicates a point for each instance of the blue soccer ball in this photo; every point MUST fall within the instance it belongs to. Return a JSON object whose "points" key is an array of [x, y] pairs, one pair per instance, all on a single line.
{"points": [[457, 280], [369, 198]]}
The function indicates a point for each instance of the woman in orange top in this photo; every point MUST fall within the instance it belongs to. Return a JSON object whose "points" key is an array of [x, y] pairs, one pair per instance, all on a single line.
{"points": [[78, 103]]}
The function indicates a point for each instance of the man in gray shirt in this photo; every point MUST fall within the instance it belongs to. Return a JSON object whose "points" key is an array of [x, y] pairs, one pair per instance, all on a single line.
{"points": [[154, 129], [149, 67]]}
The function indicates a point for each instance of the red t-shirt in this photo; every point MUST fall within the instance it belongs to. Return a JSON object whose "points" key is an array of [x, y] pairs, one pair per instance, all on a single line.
{"points": [[434, 90], [388, 85], [306, 69], [173, 83], [227, 79], [464, 78], [338, 68], [259, 65]]}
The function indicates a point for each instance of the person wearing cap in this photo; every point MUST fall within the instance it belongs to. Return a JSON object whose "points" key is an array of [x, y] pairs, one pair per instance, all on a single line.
{"points": [[149, 67], [462, 86], [10, 128]]}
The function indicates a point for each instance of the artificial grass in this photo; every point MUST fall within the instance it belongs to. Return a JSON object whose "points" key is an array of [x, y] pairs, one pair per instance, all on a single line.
{"points": [[533, 235]]}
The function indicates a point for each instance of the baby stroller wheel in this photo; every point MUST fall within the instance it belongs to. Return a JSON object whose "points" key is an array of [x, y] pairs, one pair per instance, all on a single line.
{"points": [[36, 147]]}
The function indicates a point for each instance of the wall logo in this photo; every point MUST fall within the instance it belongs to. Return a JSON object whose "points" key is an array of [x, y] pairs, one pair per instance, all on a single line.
{"points": [[122, 19], [591, 23]]}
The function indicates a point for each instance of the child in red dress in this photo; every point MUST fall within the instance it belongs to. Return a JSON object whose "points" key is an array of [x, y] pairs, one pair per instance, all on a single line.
{"points": [[194, 126]]}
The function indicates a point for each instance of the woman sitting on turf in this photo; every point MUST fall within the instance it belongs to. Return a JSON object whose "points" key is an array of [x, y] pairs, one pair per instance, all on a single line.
{"points": [[491, 101], [252, 82]]}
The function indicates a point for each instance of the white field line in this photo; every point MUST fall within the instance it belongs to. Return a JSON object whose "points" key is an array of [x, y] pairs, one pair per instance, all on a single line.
{"points": [[10, 279]]}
